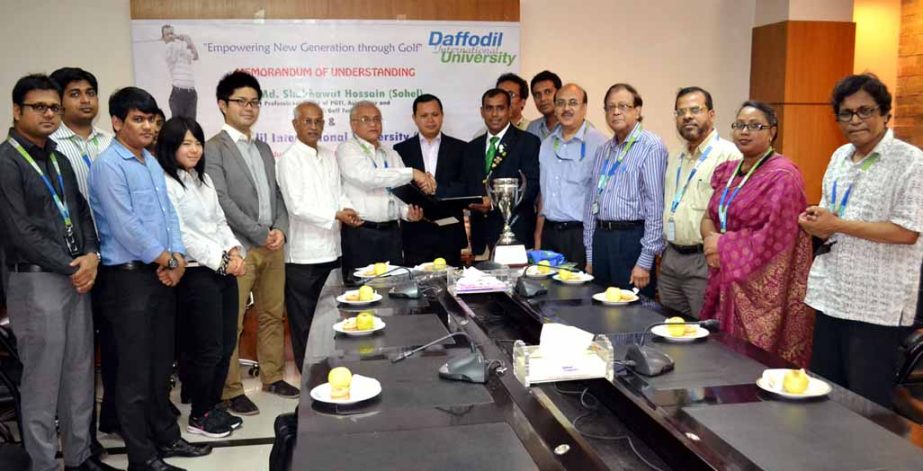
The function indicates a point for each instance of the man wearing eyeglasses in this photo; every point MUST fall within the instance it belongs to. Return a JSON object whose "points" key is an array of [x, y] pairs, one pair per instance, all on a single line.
{"points": [[51, 248], [369, 169], [244, 173], [687, 191], [864, 283], [544, 86], [623, 211], [566, 160]]}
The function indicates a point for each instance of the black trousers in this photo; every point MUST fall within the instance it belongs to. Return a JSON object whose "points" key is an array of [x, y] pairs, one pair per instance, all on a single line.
{"points": [[859, 356], [208, 329], [567, 241], [108, 420], [363, 245], [615, 254], [141, 311], [303, 285]]}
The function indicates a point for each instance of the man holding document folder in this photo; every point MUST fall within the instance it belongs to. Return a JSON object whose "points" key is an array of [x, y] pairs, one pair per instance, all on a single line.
{"points": [[440, 156]]}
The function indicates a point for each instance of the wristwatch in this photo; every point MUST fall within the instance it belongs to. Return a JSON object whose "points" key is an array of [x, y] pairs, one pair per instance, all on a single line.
{"points": [[173, 262]]}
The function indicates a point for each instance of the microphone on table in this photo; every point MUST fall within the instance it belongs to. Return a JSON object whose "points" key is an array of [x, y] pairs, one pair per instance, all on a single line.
{"points": [[469, 367], [649, 361], [407, 290], [531, 288]]}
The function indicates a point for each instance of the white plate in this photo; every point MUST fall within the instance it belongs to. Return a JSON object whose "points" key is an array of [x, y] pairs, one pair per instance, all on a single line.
{"points": [[601, 297], [428, 268], [577, 278], [375, 298], [532, 272], [772, 379], [361, 389], [377, 325], [360, 272], [662, 331]]}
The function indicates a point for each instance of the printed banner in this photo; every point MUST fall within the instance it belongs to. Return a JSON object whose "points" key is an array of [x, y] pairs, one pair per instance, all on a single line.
{"points": [[332, 62]]}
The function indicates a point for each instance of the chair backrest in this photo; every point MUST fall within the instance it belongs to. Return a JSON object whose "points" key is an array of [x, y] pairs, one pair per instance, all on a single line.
{"points": [[913, 354]]}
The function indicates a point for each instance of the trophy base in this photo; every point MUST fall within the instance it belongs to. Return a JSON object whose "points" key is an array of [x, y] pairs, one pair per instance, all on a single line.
{"points": [[511, 255]]}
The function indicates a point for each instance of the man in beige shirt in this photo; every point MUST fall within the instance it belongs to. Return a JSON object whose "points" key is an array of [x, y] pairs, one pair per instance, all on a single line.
{"points": [[687, 190]]}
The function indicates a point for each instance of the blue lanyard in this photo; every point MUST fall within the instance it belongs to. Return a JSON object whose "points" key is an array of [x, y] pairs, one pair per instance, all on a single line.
{"points": [[557, 143], [722, 207], [370, 154], [840, 209], [679, 193], [62, 206], [609, 166], [86, 150]]}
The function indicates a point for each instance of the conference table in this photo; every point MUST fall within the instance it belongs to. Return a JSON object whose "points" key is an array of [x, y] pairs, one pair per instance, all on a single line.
{"points": [[707, 413]]}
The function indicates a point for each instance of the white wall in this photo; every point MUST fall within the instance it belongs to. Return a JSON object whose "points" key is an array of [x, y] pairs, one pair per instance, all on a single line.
{"points": [[656, 46]]}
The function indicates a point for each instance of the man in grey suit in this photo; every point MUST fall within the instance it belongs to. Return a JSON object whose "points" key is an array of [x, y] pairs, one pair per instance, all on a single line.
{"points": [[243, 171]]}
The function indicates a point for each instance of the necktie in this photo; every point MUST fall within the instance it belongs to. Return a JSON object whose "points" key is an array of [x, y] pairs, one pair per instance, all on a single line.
{"points": [[491, 152]]}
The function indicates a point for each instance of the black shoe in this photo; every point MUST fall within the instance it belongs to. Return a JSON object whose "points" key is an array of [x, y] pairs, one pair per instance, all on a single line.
{"points": [[211, 425], [155, 464], [185, 449], [242, 405], [97, 449], [281, 388], [231, 420], [174, 409], [91, 464]]}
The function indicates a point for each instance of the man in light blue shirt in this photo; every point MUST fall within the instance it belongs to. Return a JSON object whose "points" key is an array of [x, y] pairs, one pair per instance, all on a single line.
{"points": [[143, 259], [544, 86], [566, 161]]}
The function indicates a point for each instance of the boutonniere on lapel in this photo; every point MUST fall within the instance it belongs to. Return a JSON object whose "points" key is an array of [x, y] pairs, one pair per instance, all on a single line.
{"points": [[502, 152]]}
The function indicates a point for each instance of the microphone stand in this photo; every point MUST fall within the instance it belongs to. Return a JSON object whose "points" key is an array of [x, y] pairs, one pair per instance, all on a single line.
{"points": [[649, 361], [530, 288], [407, 290], [470, 367]]}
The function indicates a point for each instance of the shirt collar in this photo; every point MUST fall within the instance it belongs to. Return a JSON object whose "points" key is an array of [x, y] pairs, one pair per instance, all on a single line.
{"points": [[126, 154], [306, 149], [580, 135], [50, 144], [366, 145], [702, 145], [65, 132], [436, 141], [634, 130], [499, 134], [881, 148], [235, 134]]}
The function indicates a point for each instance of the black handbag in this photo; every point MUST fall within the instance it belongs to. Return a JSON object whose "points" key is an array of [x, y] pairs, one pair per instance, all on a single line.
{"points": [[286, 430]]}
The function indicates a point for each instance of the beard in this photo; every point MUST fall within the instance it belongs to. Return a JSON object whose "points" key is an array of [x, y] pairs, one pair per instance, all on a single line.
{"points": [[694, 134]]}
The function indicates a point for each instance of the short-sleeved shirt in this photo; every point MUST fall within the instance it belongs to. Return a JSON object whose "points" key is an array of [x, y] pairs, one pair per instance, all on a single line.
{"points": [[858, 279]]}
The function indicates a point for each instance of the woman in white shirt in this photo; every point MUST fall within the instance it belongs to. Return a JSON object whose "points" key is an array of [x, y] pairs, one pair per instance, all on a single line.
{"points": [[207, 293]]}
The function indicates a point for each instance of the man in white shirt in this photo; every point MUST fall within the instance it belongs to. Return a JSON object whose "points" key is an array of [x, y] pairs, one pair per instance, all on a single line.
{"points": [[180, 54], [368, 170], [865, 277], [310, 184]]}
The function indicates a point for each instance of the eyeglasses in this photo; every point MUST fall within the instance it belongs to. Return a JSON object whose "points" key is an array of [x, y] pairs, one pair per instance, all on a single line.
{"points": [[317, 122], [749, 126], [864, 112], [694, 110], [41, 108], [243, 102], [621, 107], [573, 103], [368, 120]]}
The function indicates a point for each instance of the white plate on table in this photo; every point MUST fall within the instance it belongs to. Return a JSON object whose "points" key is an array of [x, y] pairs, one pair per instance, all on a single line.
{"points": [[662, 331], [368, 271], [428, 268], [601, 297], [377, 325], [772, 380], [532, 272], [361, 389], [576, 278], [375, 298]]}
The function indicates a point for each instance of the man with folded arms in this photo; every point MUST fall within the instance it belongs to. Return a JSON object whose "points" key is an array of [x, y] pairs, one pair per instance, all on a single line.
{"points": [[566, 165], [143, 258], [369, 169], [687, 191], [51, 249], [310, 183]]}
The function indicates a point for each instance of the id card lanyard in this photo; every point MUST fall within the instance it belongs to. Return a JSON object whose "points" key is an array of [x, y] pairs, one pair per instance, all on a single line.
{"points": [[610, 166], [370, 153], [557, 144], [722, 206], [86, 149], [679, 192], [59, 201], [839, 208]]}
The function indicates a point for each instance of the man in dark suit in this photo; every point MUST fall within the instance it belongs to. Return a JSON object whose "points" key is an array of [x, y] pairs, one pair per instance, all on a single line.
{"points": [[503, 152], [441, 156]]}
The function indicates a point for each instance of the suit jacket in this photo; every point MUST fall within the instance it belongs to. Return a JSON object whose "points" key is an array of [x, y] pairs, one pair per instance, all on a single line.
{"points": [[521, 155], [237, 190], [436, 240]]}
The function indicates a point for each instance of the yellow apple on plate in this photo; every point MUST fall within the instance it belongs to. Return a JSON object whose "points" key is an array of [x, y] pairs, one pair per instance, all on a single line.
{"points": [[676, 326], [365, 321], [565, 275], [380, 268], [544, 267], [366, 293], [795, 381], [613, 294], [439, 264], [340, 378]]}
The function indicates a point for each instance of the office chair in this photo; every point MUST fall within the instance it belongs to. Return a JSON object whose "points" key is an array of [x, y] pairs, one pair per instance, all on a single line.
{"points": [[10, 375], [908, 392]]}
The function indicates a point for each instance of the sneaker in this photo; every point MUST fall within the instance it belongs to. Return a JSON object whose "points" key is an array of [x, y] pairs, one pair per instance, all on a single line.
{"points": [[230, 420], [211, 425], [242, 405], [281, 388]]}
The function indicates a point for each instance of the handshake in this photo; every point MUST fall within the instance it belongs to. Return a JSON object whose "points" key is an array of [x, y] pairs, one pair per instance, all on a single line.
{"points": [[425, 181]]}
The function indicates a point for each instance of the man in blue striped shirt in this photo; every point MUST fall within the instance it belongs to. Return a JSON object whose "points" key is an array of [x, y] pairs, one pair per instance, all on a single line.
{"points": [[623, 211]]}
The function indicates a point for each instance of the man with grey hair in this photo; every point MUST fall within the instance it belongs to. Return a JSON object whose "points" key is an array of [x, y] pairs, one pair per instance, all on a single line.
{"points": [[309, 180], [369, 170]]}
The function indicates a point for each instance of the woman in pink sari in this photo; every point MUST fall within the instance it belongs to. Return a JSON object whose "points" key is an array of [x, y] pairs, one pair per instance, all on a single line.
{"points": [[758, 256]]}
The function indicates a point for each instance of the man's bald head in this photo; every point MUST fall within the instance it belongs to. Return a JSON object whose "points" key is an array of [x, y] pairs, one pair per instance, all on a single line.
{"points": [[309, 123]]}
